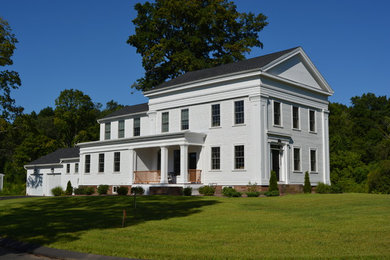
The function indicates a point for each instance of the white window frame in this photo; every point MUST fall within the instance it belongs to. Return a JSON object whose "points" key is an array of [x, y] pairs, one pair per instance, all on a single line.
{"points": [[281, 113], [162, 126], [115, 171], [109, 131], [104, 163], [89, 164], [211, 158], [76, 169], [316, 164], [181, 118], [68, 168], [139, 126], [211, 115], [234, 158], [234, 112], [292, 118], [121, 130], [315, 121], [300, 159]]}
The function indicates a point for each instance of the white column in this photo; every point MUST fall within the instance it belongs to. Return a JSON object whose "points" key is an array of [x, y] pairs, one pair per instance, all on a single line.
{"points": [[164, 164], [131, 165], [325, 145], [184, 163]]}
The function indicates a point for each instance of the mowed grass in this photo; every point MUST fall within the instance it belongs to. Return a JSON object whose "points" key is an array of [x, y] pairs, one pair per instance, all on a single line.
{"points": [[335, 226]]}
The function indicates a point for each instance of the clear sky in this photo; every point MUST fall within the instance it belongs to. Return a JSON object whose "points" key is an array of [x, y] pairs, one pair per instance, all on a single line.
{"points": [[81, 44]]}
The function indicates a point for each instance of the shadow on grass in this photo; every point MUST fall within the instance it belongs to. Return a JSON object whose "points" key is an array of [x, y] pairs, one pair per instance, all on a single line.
{"points": [[47, 220]]}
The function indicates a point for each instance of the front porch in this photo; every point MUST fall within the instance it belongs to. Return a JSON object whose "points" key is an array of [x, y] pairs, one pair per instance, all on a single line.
{"points": [[153, 177]]}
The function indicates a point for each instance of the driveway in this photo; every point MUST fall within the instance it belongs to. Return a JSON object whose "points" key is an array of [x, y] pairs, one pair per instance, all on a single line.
{"points": [[7, 254]]}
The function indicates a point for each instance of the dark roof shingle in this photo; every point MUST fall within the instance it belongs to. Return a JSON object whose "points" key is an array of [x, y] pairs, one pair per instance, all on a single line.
{"points": [[55, 156], [253, 63], [129, 110]]}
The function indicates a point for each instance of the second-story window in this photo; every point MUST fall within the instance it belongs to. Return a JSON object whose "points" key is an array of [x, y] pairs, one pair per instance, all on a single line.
{"points": [[107, 131], [121, 129], [312, 120], [165, 122], [239, 112], [295, 114], [277, 120], [137, 126], [68, 168], [87, 167], [185, 119], [215, 115], [101, 162]]}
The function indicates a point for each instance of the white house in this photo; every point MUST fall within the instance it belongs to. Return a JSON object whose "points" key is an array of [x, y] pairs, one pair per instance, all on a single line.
{"points": [[226, 126]]}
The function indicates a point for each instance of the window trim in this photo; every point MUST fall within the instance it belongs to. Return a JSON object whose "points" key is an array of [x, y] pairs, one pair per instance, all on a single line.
{"points": [[315, 122], [211, 158], [316, 161], [134, 127], [162, 122], [114, 170], [211, 115], [76, 169], [181, 119], [100, 163], [121, 130], [89, 164], [300, 159], [292, 118], [280, 114], [234, 158], [235, 115], [68, 168], [107, 126]]}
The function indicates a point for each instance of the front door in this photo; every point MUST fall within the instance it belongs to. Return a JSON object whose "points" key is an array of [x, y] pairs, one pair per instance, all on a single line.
{"points": [[176, 162], [191, 160], [275, 160]]}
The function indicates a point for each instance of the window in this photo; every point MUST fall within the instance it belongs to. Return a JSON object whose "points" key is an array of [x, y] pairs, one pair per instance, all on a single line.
{"points": [[76, 168], [101, 162], [239, 112], [215, 158], [121, 129], [295, 115], [313, 160], [68, 168], [297, 159], [137, 126], [239, 159], [87, 163], [117, 161], [184, 119], [107, 131], [165, 122], [312, 118], [215, 115], [277, 120]]}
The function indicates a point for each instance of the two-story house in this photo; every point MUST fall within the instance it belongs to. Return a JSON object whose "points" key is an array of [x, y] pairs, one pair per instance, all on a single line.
{"points": [[226, 126]]}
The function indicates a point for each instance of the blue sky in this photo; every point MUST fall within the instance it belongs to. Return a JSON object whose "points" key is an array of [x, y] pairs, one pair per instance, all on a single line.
{"points": [[82, 45]]}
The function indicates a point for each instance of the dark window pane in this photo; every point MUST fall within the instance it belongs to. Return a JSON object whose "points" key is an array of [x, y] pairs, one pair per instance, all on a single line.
{"points": [[215, 115], [295, 117], [297, 159], [239, 112], [107, 133], [117, 161], [165, 122], [101, 162], [313, 163], [184, 119], [87, 163], [312, 121], [137, 126], [121, 129], [239, 157], [276, 113], [215, 158]]}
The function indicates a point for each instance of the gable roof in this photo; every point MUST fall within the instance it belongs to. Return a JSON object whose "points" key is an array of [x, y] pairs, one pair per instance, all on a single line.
{"points": [[56, 156], [129, 110], [253, 63]]}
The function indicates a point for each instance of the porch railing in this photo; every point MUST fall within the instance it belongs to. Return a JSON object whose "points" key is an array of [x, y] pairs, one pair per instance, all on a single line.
{"points": [[194, 175], [147, 177]]}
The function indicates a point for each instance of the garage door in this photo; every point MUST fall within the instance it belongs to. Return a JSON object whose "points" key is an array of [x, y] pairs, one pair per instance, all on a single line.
{"points": [[35, 185], [53, 180]]}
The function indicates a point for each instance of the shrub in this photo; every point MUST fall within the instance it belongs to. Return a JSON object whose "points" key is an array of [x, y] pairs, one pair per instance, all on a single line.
{"points": [[253, 194], [80, 191], [251, 187], [102, 189], [323, 188], [272, 193], [122, 190], [69, 188], [89, 190], [307, 185], [138, 190], [230, 192], [187, 191], [207, 190], [57, 191], [378, 180], [273, 182]]}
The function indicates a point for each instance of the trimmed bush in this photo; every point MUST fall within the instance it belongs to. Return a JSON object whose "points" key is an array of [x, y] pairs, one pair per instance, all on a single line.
{"points": [[138, 190], [230, 192], [253, 193], [80, 191], [187, 191], [251, 187], [122, 190], [89, 190], [273, 182], [69, 189], [378, 180], [272, 193], [102, 189], [307, 185], [323, 188], [207, 190], [57, 191]]}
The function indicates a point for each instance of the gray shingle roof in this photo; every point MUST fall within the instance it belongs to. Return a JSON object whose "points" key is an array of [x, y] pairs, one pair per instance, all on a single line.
{"points": [[129, 110], [253, 63], [55, 157]]}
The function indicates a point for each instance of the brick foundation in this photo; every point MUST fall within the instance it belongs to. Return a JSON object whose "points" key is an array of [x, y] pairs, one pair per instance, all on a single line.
{"points": [[175, 191]]}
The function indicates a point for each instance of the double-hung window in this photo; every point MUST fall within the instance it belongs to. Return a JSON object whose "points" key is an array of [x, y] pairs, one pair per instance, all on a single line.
{"points": [[107, 131], [313, 160], [137, 126], [87, 167], [239, 112], [277, 116], [101, 162], [117, 161], [297, 159], [295, 116], [215, 115], [121, 129], [312, 120], [185, 119], [68, 168], [215, 158], [239, 157], [76, 168], [165, 122]]}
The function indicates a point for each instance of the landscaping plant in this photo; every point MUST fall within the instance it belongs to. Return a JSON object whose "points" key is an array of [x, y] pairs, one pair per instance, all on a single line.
{"points": [[207, 190], [230, 192], [102, 189], [273, 189], [187, 191], [122, 190], [69, 189], [57, 191], [137, 190], [89, 190], [307, 185]]}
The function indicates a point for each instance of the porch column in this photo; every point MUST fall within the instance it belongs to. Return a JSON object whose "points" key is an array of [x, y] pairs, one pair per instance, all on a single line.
{"points": [[184, 162], [131, 165], [164, 164]]}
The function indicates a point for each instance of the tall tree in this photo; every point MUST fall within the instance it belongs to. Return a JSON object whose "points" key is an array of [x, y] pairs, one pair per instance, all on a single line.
{"points": [[176, 36], [8, 79]]}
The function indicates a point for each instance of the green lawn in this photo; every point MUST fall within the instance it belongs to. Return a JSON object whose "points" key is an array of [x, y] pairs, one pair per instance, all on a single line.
{"points": [[167, 227]]}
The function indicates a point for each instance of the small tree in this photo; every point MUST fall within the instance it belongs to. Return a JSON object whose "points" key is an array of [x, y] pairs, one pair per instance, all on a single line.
{"points": [[273, 182], [69, 188], [307, 186]]}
